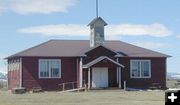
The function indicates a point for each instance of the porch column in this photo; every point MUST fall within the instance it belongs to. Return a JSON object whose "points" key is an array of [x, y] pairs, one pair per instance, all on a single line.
{"points": [[89, 78], [80, 73], [119, 77], [117, 72], [20, 67]]}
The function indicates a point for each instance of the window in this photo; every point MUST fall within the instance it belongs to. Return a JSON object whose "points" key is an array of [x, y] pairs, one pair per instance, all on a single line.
{"points": [[44, 68], [140, 69], [49, 68]]}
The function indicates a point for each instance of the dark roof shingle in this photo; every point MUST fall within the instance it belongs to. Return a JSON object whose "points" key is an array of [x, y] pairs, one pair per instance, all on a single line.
{"points": [[74, 48]]}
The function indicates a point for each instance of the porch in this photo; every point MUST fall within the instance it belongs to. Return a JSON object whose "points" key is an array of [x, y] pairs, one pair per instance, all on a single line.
{"points": [[103, 72]]}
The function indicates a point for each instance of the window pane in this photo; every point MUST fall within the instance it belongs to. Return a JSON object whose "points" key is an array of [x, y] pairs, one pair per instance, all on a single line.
{"points": [[135, 69], [44, 68], [55, 68], [145, 69]]}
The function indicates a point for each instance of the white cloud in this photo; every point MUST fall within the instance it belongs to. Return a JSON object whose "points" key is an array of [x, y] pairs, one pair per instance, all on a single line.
{"points": [[178, 36], [58, 30], [3, 70], [2, 57], [150, 45], [155, 30], [111, 31], [38, 6], [2, 8]]}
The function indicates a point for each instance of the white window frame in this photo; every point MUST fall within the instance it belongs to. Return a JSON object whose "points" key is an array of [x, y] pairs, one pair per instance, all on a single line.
{"points": [[149, 61], [49, 77]]}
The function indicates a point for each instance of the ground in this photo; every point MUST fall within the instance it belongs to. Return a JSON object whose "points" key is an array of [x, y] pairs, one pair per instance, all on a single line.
{"points": [[98, 97], [172, 84]]}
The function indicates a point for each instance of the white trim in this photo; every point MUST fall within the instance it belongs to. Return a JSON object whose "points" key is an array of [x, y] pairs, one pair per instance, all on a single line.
{"points": [[140, 60], [166, 72], [89, 78], [100, 59], [49, 69], [80, 73], [20, 68], [8, 74], [77, 64], [117, 72], [125, 85], [119, 77]]}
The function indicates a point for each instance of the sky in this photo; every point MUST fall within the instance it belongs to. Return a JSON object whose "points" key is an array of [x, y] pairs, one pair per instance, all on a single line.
{"points": [[152, 24]]}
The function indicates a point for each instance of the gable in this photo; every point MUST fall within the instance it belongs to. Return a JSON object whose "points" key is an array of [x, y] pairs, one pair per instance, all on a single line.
{"points": [[103, 60], [100, 51], [98, 20]]}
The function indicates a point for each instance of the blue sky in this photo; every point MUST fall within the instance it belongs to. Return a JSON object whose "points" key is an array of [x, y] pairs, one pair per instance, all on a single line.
{"points": [[152, 24]]}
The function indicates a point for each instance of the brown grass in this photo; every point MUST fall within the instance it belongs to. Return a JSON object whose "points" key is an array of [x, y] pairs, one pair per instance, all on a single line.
{"points": [[95, 97], [172, 84], [98, 97]]}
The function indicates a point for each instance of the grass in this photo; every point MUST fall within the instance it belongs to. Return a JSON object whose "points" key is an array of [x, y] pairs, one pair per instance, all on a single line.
{"points": [[172, 84], [100, 97], [95, 97]]}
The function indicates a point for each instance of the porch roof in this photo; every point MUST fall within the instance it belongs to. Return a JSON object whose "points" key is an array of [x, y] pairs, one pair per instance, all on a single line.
{"points": [[100, 59]]}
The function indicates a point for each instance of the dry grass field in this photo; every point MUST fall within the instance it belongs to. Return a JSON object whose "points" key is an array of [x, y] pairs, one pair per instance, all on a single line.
{"points": [[96, 97], [172, 84]]}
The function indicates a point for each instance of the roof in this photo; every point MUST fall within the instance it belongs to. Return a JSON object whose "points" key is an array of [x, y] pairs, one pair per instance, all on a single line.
{"points": [[75, 48], [100, 59], [97, 19], [92, 48]]}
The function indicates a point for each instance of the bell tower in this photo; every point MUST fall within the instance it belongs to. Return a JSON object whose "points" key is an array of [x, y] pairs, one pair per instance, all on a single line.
{"points": [[97, 30]]}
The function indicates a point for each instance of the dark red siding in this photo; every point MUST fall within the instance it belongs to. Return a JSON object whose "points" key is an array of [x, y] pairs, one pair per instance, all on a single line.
{"points": [[13, 76], [158, 73], [112, 77], [70, 71], [158, 68], [31, 79], [13, 79]]}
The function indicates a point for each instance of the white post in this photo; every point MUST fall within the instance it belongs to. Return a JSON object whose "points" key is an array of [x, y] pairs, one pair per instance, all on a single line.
{"points": [[20, 68], [8, 73], [117, 72], [89, 78], [80, 74], [77, 63], [119, 77], [124, 85], [63, 86]]}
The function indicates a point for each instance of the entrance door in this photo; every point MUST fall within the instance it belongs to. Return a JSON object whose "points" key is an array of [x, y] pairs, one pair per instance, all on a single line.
{"points": [[99, 77]]}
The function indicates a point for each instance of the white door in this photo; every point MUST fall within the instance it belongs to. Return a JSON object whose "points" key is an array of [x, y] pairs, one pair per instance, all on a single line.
{"points": [[99, 77]]}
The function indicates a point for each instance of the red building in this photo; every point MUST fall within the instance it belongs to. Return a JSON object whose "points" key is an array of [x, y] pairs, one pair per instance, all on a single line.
{"points": [[97, 63]]}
